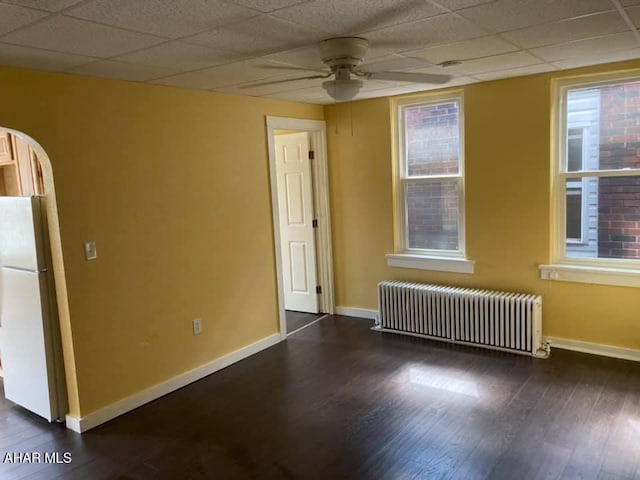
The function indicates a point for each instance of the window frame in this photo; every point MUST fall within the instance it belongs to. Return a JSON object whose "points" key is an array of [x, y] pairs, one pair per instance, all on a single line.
{"points": [[402, 179], [587, 270]]}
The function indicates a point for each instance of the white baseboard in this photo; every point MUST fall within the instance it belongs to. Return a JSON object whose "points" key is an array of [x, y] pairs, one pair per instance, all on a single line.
{"points": [[357, 312], [594, 348], [145, 396]]}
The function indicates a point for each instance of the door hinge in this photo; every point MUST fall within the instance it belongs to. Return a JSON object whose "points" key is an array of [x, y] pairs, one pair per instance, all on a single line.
{"points": [[318, 289], [314, 223], [312, 155]]}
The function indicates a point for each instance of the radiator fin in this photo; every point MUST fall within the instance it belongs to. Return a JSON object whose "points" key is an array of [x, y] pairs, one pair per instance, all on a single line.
{"points": [[507, 321]]}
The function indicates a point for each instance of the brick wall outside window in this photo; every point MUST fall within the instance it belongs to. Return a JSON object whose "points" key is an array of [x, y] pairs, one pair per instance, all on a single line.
{"points": [[432, 149], [619, 197]]}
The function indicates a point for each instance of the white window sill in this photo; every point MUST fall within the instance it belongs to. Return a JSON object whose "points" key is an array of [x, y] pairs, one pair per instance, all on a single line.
{"points": [[588, 274], [422, 262]]}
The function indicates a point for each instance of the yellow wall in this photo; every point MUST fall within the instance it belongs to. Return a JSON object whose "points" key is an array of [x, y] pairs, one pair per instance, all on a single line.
{"points": [[173, 186], [508, 176]]}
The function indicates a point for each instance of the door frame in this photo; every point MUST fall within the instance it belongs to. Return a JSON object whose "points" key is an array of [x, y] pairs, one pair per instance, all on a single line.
{"points": [[317, 130]]}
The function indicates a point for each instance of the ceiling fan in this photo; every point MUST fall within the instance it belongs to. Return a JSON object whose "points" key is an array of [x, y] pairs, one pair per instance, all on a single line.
{"points": [[344, 56]]}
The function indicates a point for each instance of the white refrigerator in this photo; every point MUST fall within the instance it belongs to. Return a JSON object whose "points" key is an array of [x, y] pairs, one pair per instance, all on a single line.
{"points": [[30, 347]]}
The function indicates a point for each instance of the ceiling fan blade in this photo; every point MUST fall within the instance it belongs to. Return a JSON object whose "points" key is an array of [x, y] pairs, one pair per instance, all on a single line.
{"points": [[286, 67], [411, 77], [398, 63], [274, 82]]}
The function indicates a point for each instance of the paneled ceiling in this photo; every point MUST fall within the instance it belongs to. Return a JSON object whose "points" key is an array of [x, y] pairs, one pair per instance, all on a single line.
{"points": [[225, 45]]}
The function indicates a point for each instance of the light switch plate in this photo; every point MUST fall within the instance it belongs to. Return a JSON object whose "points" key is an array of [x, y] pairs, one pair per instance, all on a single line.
{"points": [[90, 252]]}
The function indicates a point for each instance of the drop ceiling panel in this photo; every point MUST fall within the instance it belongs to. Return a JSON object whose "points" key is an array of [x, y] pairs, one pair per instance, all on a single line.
{"points": [[505, 15], [48, 5], [225, 75], [27, 57], [304, 57], [589, 47], [568, 30], [343, 17], [12, 17], [180, 55], [69, 35], [258, 36], [460, 4], [269, 6], [607, 57], [442, 29], [314, 94], [487, 64], [634, 15], [122, 71], [168, 18], [475, 48], [515, 72]]}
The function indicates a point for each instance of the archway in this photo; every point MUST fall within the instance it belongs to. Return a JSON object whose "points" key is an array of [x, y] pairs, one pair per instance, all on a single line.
{"points": [[57, 264]]}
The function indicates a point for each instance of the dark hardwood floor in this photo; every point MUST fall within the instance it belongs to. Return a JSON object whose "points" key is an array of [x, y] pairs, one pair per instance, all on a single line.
{"points": [[297, 320], [338, 401]]}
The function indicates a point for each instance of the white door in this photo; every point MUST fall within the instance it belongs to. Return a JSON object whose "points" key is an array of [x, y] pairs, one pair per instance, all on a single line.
{"points": [[297, 236]]}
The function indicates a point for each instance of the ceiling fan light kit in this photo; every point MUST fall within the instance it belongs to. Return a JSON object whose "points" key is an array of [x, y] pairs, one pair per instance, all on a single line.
{"points": [[342, 90]]}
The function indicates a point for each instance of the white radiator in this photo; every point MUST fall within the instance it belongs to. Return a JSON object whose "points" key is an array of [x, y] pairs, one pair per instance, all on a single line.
{"points": [[497, 320]]}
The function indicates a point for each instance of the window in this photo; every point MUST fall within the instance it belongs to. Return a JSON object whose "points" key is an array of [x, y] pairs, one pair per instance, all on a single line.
{"points": [[429, 181], [597, 194], [576, 207]]}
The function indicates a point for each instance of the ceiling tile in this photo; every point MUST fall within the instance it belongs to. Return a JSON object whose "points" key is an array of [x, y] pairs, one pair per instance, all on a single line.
{"points": [[634, 14], [459, 4], [516, 72], [486, 64], [12, 17], [606, 57], [304, 94], [48, 5], [258, 36], [180, 56], [567, 30], [497, 62], [344, 17], [590, 47], [122, 71], [169, 18], [442, 29], [39, 59], [304, 57], [505, 15], [231, 74], [269, 6], [477, 47], [69, 35], [381, 92]]}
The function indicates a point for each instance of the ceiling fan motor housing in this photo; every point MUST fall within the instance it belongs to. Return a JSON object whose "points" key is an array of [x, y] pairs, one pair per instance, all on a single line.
{"points": [[343, 51]]}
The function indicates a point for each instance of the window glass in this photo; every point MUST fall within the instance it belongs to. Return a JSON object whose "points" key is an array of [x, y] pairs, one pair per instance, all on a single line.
{"points": [[601, 172]]}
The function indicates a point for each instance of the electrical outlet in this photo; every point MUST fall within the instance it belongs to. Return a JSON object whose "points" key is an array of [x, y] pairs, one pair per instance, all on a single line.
{"points": [[197, 326]]}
